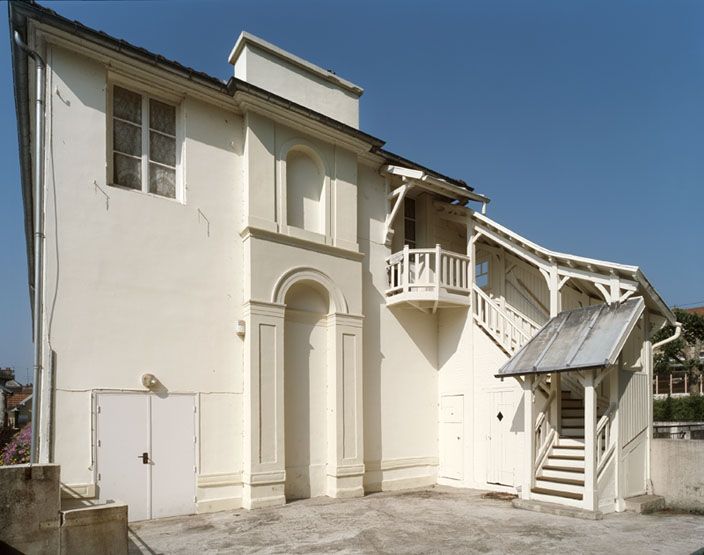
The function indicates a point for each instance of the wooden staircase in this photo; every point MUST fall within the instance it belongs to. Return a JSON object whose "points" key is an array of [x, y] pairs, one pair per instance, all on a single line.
{"points": [[560, 479]]}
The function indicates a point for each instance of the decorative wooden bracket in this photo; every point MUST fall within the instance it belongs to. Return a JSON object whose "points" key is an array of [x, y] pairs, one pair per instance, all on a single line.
{"points": [[399, 194]]}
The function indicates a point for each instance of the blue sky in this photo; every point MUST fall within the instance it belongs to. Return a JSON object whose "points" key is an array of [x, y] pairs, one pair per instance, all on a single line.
{"points": [[583, 121]]}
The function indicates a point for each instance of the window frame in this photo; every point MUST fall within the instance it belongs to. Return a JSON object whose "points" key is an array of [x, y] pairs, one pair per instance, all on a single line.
{"points": [[412, 244], [147, 94], [478, 273]]}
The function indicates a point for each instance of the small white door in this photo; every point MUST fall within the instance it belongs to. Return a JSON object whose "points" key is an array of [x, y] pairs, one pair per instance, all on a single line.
{"points": [[501, 461], [123, 436], [173, 455], [452, 437], [146, 453]]}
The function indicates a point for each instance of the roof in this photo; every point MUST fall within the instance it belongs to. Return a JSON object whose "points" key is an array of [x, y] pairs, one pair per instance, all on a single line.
{"points": [[18, 13], [695, 310], [590, 337], [571, 263], [18, 397]]}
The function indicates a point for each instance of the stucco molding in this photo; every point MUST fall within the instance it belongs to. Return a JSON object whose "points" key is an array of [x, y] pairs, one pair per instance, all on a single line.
{"points": [[303, 273]]}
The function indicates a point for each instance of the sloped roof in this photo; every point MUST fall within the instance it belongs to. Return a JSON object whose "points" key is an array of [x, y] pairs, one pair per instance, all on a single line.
{"points": [[18, 397], [590, 337]]}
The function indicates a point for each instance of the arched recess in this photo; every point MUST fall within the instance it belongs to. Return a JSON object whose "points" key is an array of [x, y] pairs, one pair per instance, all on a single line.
{"points": [[297, 208], [338, 303]]}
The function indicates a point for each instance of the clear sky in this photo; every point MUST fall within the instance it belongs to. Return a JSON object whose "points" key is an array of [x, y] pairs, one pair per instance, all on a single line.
{"points": [[583, 121]]}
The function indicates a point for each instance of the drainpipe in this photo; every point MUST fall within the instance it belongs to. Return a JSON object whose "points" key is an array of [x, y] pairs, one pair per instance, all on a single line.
{"points": [[38, 196], [676, 335]]}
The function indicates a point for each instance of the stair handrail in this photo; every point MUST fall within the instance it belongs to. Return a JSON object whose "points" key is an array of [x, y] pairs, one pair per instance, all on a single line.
{"points": [[506, 320], [604, 444], [544, 431], [534, 326]]}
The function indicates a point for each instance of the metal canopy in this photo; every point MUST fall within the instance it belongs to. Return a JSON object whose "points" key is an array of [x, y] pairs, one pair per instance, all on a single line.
{"points": [[590, 337]]}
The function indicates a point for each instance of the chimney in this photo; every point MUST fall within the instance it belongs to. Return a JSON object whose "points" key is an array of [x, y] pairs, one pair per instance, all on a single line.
{"points": [[269, 67]]}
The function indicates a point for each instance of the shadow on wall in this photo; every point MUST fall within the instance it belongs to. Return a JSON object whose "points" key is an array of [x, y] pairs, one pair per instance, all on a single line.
{"points": [[518, 424]]}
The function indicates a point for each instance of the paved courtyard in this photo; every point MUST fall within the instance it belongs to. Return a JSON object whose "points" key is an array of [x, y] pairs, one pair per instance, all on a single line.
{"points": [[436, 520]]}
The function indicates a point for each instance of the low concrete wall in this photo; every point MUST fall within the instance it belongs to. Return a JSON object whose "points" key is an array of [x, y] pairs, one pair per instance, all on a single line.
{"points": [[677, 472], [29, 508], [98, 529], [31, 519]]}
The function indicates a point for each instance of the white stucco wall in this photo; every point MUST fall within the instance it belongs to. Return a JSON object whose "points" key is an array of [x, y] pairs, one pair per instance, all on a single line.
{"points": [[137, 283]]}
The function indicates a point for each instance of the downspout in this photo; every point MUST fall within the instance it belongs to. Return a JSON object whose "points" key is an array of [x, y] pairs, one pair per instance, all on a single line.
{"points": [[38, 197], [675, 336]]}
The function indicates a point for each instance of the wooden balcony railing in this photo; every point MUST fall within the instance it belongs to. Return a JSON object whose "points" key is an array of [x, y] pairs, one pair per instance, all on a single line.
{"points": [[428, 271]]}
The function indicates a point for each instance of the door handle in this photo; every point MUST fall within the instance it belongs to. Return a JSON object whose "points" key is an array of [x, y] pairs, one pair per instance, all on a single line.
{"points": [[144, 457]]}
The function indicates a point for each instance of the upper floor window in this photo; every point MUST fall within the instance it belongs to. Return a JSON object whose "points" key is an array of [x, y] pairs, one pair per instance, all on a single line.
{"points": [[143, 143], [304, 192], [482, 274], [409, 222]]}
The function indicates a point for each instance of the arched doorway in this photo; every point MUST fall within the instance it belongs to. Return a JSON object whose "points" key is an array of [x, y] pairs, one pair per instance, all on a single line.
{"points": [[305, 389]]}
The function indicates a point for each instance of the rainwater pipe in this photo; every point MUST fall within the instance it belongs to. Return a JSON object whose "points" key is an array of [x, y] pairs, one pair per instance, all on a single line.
{"points": [[675, 336], [38, 197]]}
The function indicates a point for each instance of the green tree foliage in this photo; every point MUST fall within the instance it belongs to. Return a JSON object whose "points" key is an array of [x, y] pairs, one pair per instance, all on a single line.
{"points": [[685, 350], [680, 409]]}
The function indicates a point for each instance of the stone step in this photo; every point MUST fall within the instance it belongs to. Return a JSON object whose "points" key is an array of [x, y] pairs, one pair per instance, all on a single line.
{"points": [[645, 504], [566, 507]]}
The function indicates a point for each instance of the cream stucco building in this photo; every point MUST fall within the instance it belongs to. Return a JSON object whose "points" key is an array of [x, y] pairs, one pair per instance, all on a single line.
{"points": [[245, 299]]}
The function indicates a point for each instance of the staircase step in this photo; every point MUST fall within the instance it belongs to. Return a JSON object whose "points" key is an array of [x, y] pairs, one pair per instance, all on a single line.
{"points": [[570, 421], [567, 451], [559, 484], [575, 442], [572, 404], [566, 481], [559, 468], [556, 493], [572, 432], [552, 461], [566, 457], [572, 413]]}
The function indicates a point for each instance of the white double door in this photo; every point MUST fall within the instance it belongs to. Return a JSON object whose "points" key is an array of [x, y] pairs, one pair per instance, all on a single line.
{"points": [[146, 453]]}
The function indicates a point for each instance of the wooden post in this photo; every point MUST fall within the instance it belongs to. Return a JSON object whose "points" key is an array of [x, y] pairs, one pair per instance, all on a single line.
{"points": [[438, 256], [670, 383], [406, 271], [614, 288], [529, 439], [590, 492], [554, 287], [614, 399], [556, 386]]}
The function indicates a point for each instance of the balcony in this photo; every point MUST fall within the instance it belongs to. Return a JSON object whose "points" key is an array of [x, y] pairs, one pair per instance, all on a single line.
{"points": [[428, 279]]}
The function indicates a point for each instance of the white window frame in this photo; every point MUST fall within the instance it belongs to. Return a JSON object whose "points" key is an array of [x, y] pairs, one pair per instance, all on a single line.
{"points": [[478, 273], [413, 220], [147, 95]]}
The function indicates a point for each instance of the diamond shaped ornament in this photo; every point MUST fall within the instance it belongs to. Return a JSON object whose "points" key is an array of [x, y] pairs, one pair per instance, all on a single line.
{"points": [[500, 416]]}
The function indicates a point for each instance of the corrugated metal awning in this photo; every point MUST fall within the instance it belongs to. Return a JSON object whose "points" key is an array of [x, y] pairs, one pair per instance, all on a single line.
{"points": [[590, 337]]}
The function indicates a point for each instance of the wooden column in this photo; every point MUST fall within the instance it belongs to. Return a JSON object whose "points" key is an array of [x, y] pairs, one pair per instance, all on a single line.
{"points": [[528, 458], [554, 287], [556, 406], [590, 493], [614, 396]]}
